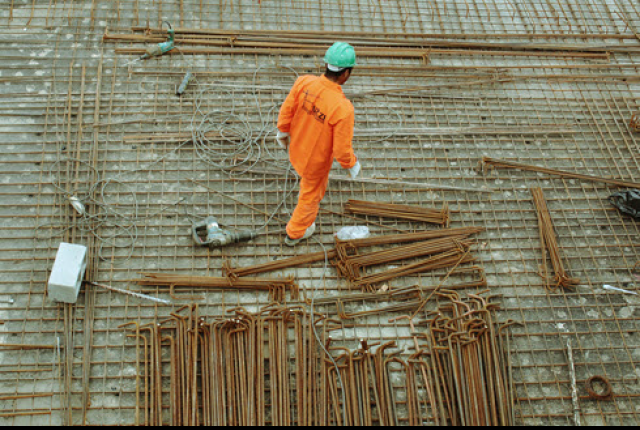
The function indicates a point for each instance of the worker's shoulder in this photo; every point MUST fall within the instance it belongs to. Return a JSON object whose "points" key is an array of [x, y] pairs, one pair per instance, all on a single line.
{"points": [[306, 79], [345, 106]]}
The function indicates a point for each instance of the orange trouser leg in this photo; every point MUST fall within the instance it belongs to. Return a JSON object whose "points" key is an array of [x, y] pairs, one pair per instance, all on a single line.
{"points": [[312, 192]]}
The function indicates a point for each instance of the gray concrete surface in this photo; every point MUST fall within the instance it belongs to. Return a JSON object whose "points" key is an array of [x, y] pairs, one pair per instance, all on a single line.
{"points": [[49, 66]]}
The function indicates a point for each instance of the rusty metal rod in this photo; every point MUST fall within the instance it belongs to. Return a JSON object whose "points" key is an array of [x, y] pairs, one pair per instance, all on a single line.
{"points": [[505, 164]]}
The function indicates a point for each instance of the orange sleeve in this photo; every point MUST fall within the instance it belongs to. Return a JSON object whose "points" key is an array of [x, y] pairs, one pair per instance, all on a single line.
{"points": [[343, 140], [289, 108]]}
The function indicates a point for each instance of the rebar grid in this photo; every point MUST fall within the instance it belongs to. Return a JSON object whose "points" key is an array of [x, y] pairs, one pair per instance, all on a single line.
{"points": [[50, 82]]}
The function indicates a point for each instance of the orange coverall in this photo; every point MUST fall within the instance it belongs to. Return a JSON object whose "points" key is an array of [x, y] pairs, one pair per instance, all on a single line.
{"points": [[320, 120]]}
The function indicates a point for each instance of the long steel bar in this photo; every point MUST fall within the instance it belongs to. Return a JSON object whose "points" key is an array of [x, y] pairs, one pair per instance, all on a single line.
{"points": [[323, 33], [377, 53], [504, 164], [299, 41], [395, 184]]}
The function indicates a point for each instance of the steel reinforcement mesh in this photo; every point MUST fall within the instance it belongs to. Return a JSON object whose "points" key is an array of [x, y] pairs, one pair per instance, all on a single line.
{"points": [[75, 113]]}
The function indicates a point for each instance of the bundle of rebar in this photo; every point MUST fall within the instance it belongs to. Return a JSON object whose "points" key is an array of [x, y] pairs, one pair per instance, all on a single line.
{"points": [[403, 299], [390, 294], [459, 375], [463, 376], [269, 368], [442, 253], [390, 239], [231, 371], [549, 243], [353, 263], [275, 286], [368, 390], [395, 239], [408, 212], [439, 261]]}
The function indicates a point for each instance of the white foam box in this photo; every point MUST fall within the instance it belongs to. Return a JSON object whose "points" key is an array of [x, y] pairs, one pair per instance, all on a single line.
{"points": [[68, 273]]}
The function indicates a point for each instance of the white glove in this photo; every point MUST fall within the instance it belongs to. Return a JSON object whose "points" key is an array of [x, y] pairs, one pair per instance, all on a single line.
{"points": [[284, 139], [355, 170]]}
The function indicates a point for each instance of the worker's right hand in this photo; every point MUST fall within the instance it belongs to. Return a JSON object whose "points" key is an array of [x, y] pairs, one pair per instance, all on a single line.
{"points": [[355, 170], [283, 139]]}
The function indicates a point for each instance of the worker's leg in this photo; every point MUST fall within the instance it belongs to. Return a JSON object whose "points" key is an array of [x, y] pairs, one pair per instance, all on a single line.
{"points": [[312, 192]]}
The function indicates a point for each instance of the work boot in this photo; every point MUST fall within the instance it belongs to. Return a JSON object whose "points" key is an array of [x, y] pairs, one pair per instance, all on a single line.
{"points": [[307, 234]]}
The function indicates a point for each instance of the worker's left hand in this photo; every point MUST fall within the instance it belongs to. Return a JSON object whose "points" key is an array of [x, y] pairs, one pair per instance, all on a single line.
{"points": [[355, 170], [284, 139]]}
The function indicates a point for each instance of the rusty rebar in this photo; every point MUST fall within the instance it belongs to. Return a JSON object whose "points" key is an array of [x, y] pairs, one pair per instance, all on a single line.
{"points": [[505, 164], [396, 211], [549, 242], [219, 373], [635, 122]]}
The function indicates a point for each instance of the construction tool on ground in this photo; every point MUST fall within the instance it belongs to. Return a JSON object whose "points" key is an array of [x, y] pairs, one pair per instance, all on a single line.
{"points": [[627, 202], [161, 48], [208, 233]]}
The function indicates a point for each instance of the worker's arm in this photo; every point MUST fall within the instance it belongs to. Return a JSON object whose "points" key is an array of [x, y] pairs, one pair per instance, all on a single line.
{"points": [[343, 140], [289, 108]]}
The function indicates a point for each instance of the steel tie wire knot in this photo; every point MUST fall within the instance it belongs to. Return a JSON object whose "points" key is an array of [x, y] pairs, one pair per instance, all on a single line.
{"points": [[635, 122], [607, 394]]}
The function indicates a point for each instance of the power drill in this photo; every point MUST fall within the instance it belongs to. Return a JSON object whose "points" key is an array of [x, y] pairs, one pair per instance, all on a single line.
{"points": [[164, 47], [209, 233]]}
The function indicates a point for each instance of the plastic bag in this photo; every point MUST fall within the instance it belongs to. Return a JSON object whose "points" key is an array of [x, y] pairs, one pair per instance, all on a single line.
{"points": [[351, 233], [627, 202]]}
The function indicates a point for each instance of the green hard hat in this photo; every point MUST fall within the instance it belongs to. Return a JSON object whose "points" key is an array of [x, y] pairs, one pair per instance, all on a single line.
{"points": [[341, 56]]}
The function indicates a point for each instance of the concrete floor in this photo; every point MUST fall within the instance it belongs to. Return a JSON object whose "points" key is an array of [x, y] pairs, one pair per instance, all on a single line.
{"points": [[74, 113]]}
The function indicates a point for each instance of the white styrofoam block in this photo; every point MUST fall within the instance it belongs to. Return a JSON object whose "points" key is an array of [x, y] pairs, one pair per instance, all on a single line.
{"points": [[68, 273]]}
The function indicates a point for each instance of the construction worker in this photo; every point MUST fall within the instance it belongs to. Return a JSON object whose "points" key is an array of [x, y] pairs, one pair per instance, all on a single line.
{"points": [[316, 126]]}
